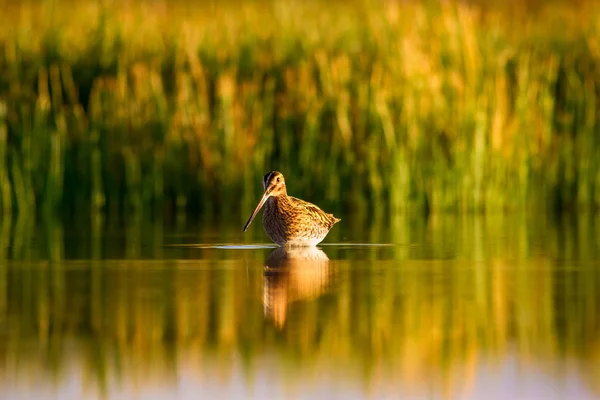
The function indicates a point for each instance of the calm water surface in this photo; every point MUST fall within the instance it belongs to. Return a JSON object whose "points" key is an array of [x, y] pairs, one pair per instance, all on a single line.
{"points": [[445, 307]]}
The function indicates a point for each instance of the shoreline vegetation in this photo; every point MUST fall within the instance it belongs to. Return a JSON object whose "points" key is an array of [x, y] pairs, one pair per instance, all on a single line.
{"points": [[168, 107]]}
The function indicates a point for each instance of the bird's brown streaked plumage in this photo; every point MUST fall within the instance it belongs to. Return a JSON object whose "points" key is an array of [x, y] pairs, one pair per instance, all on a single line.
{"points": [[289, 221]]}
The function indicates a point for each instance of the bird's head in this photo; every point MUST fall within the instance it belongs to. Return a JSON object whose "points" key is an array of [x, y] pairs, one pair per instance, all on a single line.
{"points": [[273, 185]]}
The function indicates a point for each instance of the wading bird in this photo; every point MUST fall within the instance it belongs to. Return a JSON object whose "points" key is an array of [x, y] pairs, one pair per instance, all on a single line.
{"points": [[289, 221]]}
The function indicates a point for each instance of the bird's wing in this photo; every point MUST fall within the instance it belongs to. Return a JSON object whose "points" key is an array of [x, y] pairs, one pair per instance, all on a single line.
{"points": [[306, 205], [315, 213]]}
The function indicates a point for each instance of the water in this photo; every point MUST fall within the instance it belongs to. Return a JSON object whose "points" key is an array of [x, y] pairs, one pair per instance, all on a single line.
{"points": [[449, 307]]}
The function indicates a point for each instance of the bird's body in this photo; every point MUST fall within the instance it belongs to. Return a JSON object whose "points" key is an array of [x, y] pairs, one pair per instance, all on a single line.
{"points": [[294, 222], [289, 221]]}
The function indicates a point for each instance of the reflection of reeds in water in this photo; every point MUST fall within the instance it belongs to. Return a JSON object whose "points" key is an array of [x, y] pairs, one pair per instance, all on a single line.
{"points": [[293, 274], [497, 286]]}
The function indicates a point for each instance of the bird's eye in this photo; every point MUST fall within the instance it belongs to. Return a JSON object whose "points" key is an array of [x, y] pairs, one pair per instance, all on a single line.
{"points": [[278, 179]]}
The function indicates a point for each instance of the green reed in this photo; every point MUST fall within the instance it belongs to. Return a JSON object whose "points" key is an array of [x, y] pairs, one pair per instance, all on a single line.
{"points": [[366, 106]]}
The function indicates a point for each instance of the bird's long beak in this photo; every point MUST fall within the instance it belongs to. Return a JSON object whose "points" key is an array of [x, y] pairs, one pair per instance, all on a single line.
{"points": [[257, 209]]}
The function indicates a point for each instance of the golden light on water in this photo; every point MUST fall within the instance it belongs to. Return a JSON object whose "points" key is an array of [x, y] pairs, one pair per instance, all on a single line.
{"points": [[499, 304]]}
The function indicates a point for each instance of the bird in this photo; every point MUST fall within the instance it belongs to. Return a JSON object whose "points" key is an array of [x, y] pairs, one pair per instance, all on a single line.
{"points": [[289, 221]]}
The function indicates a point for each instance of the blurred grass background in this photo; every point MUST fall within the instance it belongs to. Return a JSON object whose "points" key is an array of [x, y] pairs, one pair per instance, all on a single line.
{"points": [[363, 105]]}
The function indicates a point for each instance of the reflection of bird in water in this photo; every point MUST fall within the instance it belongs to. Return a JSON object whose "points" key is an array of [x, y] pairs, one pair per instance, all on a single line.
{"points": [[291, 274], [287, 220]]}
